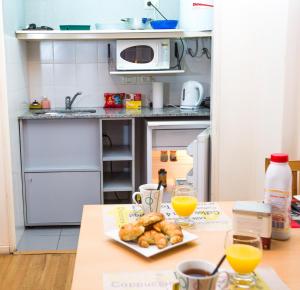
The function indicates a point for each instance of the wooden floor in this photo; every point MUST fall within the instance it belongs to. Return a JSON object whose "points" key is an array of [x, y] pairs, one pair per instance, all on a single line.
{"points": [[36, 272]]}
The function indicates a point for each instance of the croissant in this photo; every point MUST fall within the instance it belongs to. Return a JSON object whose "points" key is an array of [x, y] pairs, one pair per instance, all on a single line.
{"points": [[131, 232], [153, 238], [172, 230], [151, 218]]}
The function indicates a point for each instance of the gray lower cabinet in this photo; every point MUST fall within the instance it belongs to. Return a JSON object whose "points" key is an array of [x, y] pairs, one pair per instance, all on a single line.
{"points": [[58, 197], [61, 169], [60, 144]]}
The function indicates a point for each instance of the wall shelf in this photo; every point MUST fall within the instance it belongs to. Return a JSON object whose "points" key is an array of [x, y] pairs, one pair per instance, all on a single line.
{"points": [[197, 34], [107, 34], [117, 153], [148, 72], [117, 181]]}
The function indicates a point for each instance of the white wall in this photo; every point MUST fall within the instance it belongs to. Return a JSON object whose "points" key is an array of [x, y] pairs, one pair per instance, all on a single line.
{"points": [[4, 225], [5, 170], [4, 217], [17, 95], [255, 78], [4, 233], [56, 12], [291, 116]]}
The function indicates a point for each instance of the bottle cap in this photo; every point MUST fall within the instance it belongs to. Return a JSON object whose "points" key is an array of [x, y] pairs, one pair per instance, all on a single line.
{"points": [[279, 158]]}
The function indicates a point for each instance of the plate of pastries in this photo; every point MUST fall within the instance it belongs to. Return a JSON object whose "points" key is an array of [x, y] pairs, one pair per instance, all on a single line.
{"points": [[151, 234]]}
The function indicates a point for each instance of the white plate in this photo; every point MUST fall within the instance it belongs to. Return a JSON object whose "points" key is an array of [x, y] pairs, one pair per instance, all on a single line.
{"points": [[152, 250]]}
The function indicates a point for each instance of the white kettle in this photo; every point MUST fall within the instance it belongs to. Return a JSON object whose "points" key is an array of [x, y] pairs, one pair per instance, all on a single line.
{"points": [[191, 95]]}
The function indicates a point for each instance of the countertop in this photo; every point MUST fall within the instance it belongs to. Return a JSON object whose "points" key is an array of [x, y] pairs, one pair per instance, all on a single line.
{"points": [[102, 113]]}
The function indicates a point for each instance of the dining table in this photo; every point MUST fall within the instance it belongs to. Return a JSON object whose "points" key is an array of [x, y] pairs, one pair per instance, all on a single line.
{"points": [[98, 254]]}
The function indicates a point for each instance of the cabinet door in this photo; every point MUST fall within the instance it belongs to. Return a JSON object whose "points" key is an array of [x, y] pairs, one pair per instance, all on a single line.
{"points": [[61, 144], [58, 197]]}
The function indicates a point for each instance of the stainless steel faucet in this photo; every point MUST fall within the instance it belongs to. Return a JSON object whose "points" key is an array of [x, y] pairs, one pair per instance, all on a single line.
{"points": [[69, 102]]}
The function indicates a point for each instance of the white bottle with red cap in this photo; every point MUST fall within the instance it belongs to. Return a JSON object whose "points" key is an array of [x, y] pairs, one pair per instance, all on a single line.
{"points": [[278, 193]]}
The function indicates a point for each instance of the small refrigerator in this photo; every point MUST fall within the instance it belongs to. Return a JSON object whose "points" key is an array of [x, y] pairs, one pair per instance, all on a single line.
{"points": [[180, 152]]}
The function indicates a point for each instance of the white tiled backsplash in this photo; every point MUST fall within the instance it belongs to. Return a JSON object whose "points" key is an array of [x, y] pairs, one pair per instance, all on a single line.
{"points": [[58, 69]]}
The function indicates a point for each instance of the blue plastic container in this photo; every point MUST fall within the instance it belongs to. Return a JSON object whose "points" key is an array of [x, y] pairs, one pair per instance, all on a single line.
{"points": [[164, 24]]}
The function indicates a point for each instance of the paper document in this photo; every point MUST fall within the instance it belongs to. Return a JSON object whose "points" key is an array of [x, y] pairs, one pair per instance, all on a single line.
{"points": [[207, 216]]}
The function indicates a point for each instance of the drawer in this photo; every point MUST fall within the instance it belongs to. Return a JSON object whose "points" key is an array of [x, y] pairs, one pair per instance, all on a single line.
{"points": [[174, 138]]}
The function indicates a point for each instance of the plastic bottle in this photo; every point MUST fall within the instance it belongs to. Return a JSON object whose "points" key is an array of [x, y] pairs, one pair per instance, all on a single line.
{"points": [[278, 188], [45, 103]]}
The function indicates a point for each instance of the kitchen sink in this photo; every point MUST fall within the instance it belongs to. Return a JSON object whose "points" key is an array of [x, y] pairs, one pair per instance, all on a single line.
{"points": [[58, 112]]}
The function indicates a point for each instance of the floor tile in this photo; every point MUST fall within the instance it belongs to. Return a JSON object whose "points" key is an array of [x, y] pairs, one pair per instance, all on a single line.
{"points": [[30, 242], [68, 243], [44, 231], [70, 231]]}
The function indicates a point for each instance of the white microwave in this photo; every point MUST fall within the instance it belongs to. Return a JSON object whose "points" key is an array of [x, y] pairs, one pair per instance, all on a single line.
{"points": [[143, 54]]}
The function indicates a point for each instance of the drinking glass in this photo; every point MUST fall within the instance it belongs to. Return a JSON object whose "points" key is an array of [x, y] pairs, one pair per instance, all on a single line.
{"points": [[184, 203], [243, 252]]}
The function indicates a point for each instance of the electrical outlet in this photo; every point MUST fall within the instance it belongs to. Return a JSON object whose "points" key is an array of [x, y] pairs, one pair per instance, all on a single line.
{"points": [[154, 2], [129, 80]]}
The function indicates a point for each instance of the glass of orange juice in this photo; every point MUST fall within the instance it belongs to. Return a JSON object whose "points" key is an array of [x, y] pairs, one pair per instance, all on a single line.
{"points": [[184, 203], [243, 252]]}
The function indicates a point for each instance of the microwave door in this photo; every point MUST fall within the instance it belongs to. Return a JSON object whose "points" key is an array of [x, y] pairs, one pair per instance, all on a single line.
{"points": [[199, 175], [139, 56]]}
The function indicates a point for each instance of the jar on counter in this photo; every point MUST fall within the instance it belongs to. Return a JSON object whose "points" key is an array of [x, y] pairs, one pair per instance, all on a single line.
{"points": [[46, 103]]}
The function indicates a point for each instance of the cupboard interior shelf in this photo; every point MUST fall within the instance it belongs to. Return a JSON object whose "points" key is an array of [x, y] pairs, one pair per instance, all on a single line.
{"points": [[108, 34], [148, 72], [117, 153], [117, 181]]}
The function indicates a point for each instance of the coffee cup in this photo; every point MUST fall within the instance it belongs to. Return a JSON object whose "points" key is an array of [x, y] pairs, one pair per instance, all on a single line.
{"points": [[196, 275], [150, 197]]}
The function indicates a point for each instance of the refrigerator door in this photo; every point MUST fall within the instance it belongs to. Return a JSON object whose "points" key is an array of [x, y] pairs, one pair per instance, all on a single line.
{"points": [[199, 175]]}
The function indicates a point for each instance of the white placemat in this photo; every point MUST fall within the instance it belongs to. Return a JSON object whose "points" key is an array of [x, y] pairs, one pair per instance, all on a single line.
{"points": [[271, 278], [163, 280]]}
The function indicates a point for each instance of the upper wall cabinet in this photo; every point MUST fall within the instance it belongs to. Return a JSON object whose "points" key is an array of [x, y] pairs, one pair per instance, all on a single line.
{"points": [[108, 34]]}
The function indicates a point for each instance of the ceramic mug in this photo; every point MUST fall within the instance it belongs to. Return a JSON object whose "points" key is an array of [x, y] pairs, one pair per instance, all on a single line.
{"points": [[188, 281], [150, 197]]}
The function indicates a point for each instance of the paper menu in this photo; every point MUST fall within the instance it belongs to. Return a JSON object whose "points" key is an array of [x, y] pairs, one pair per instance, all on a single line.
{"points": [[206, 212], [207, 216], [162, 280]]}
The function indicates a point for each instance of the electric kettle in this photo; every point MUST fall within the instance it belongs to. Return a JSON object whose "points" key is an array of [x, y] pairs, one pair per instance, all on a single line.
{"points": [[191, 95]]}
